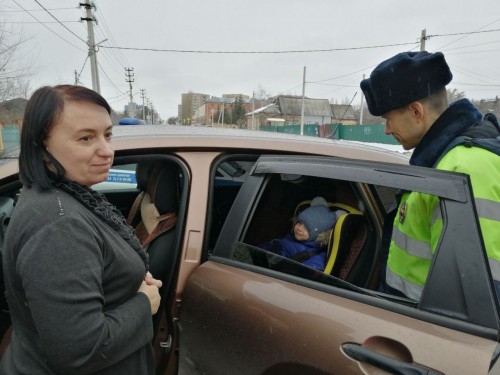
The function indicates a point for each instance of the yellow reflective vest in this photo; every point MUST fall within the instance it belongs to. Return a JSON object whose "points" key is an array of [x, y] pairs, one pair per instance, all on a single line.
{"points": [[418, 222]]}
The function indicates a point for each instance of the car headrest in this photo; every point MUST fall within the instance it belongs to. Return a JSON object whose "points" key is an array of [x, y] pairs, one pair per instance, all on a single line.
{"points": [[142, 173], [160, 180]]}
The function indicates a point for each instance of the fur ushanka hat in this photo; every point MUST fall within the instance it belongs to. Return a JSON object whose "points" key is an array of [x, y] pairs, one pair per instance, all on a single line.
{"points": [[317, 219], [403, 79]]}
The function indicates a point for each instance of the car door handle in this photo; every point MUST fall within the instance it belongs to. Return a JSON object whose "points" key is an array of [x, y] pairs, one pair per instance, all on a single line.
{"points": [[394, 366]]}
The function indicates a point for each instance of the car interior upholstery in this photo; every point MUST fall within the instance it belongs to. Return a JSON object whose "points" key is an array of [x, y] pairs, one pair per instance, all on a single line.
{"points": [[154, 213], [351, 251]]}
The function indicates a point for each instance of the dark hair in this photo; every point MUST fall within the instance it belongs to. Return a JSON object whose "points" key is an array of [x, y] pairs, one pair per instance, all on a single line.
{"points": [[43, 110]]}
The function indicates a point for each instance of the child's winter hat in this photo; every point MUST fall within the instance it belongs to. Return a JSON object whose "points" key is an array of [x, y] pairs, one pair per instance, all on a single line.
{"points": [[317, 201], [403, 79], [317, 219]]}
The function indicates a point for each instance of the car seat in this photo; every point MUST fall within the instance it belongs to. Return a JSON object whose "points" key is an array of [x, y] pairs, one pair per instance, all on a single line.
{"points": [[154, 214], [349, 246]]}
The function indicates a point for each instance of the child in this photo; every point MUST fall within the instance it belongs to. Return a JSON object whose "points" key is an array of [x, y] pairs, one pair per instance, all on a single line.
{"points": [[311, 231]]}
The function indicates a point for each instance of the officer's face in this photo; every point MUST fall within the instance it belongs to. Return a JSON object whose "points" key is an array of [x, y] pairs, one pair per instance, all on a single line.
{"points": [[404, 127]]}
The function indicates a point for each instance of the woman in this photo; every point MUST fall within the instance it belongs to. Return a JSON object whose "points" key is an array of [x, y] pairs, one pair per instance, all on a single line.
{"points": [[79, 293]]}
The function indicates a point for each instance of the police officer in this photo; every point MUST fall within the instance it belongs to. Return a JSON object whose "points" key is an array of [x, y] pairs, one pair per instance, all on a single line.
{"points": [[408, 91]]}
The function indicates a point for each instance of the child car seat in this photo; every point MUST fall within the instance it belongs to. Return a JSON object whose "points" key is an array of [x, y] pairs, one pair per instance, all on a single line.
{"points": [[348, 245]]}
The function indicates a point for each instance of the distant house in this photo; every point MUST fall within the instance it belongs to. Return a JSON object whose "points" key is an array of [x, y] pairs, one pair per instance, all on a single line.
{"points": [[343, 113], [12, 111], [288, 110], [216, 109]]}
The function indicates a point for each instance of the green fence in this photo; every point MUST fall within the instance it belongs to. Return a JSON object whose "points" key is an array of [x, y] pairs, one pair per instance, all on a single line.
{"points": [[363, 133], [310, 130], [366, 133], [10, 136]]}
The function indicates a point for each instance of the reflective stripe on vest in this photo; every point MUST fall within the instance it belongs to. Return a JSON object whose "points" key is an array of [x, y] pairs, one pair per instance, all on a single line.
{"points": [[409, 289], [488, 209], [420, 249]]}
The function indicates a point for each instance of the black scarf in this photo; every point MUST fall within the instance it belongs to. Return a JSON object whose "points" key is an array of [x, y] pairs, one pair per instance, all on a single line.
{"points": [[459, 117], [99, 205]]}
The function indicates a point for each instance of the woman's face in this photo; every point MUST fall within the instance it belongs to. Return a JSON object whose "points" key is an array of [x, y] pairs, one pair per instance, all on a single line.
{"points": [[81, 142], [300, 232]]}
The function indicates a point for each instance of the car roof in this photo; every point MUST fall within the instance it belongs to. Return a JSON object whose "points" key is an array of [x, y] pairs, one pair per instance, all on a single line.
{"points": [[177, 137], [199, 137]]}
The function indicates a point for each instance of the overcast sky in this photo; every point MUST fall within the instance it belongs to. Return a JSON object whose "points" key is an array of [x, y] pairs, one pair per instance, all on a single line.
{"points": [[340, 41]]}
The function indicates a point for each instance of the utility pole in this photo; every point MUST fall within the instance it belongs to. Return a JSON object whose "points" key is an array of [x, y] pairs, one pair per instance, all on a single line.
{"points": [[92, 46], [253, 111], [143, 95], [362, 104], [129, 73], [76, 78], [223, 108], [423, 38], [148, 116], [303, 101]]}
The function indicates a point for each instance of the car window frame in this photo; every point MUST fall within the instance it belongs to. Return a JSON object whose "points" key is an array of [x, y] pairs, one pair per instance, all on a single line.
{"points": [[476, 311], [214, 175]]}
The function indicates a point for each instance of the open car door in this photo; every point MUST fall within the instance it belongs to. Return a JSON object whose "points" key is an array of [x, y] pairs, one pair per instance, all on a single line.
{"points": [[248, 311]]}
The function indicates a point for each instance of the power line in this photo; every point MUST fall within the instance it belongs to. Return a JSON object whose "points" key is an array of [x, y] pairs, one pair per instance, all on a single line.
{"points": [[59, 21], [85, 62], [473, 45], [117, 54], [331, 84], [476, 84], [342, 76], [23, 22], [48, 28], [109, 79], [294, 51], [257, 52], [465, 33], [34, 10], [471, 32]]}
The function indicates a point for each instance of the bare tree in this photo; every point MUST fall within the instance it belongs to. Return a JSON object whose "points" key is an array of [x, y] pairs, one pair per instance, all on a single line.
{"points": [[14, 67], [454, 95], [261, 93]]}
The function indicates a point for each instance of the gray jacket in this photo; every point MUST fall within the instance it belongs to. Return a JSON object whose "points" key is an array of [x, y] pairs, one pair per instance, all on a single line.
{"points": [[72, 286]]}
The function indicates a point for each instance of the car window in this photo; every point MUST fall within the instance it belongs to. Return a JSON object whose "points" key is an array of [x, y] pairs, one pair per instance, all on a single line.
{"points": [[229, 173], [386, 195], [269, 239], [120, 178]]}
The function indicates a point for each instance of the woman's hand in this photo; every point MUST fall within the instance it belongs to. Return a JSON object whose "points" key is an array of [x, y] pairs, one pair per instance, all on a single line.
{"points": [[150, 280], [153, 294]]}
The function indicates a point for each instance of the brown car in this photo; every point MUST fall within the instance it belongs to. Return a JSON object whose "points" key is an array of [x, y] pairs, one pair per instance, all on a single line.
{"points": [[231, 307]]}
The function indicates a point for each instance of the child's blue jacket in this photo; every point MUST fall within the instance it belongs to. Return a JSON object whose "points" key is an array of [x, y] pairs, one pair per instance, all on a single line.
{"points": [[288, 246]]}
